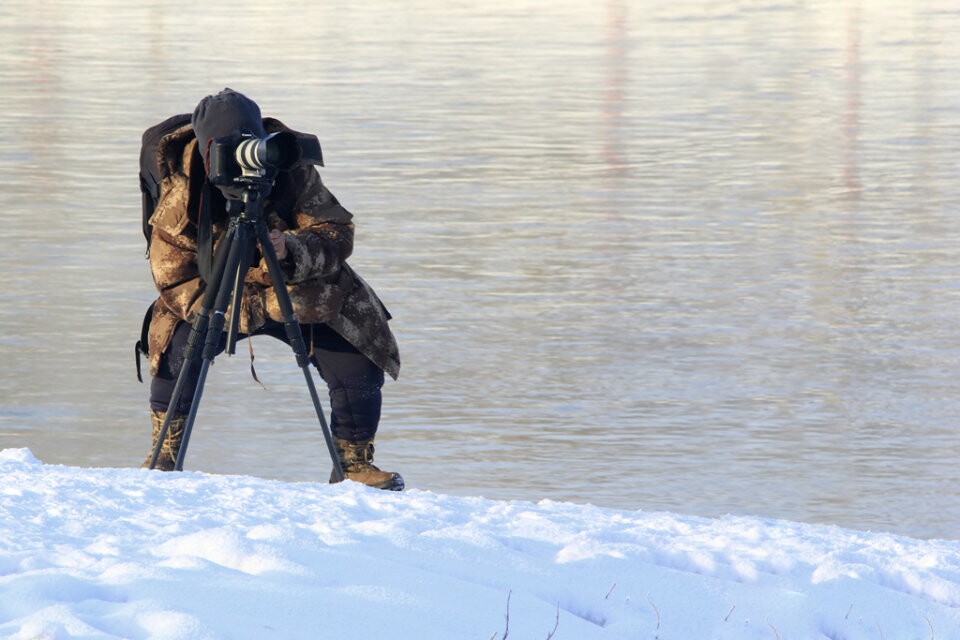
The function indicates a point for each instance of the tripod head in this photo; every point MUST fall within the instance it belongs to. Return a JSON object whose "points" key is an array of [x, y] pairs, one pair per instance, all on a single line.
{"points": [[246, 195]]}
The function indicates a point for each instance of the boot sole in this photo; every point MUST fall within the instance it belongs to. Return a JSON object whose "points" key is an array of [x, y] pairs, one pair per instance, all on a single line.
{"points": [[394, 484]]}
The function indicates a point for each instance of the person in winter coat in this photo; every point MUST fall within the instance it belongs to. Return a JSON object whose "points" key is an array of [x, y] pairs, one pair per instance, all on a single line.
{"points": [[344, 323]]}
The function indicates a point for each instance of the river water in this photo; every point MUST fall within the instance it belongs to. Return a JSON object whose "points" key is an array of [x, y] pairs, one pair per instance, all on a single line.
{"points": [[687, 256]]}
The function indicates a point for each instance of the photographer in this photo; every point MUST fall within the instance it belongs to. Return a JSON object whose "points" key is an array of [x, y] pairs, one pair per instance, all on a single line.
{"points": [[343, 322]]}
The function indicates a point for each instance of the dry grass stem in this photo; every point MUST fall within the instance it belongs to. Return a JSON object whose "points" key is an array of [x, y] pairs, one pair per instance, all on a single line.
{"points": [[655, 610], [775, 632], [506, 630], [556, 625]]}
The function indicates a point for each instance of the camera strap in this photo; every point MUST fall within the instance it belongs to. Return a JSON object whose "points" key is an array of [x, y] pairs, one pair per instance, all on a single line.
{"points": [[205, 233]]}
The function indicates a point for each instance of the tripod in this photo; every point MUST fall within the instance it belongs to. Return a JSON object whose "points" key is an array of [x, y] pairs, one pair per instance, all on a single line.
{"points": [[225, 289]]}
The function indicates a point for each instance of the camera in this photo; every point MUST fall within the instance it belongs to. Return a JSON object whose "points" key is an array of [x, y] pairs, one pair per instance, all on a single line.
{"points": [[243, 157]]}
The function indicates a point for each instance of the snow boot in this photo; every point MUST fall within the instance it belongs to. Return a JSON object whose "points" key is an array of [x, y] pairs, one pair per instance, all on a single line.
{"points": [[167, 459], [356, 458]]}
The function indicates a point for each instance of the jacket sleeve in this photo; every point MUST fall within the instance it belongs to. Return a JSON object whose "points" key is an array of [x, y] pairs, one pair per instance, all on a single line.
{"points": [[173, 255], [321, 237]]}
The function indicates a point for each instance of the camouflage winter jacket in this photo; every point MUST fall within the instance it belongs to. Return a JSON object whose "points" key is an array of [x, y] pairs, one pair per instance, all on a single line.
{"points": [[319, 239]]}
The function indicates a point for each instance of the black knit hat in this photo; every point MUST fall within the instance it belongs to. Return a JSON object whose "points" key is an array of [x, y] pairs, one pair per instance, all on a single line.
{"points": [[223, 114]]}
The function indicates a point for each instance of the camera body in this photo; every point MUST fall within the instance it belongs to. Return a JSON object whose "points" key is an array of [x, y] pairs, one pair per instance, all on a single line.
{"points": [[245, 158]]}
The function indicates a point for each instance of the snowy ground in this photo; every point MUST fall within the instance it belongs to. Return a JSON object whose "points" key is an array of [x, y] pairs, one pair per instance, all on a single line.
{"points": [[126, 553]]}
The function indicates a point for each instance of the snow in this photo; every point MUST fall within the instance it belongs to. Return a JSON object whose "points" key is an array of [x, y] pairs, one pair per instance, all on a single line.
{"points": [[129, 553]]}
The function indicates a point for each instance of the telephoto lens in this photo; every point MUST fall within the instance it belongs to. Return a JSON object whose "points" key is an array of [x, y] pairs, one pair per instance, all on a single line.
{"points": [[278, 150]]}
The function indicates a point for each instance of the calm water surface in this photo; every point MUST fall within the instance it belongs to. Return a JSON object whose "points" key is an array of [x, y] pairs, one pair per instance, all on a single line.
{"points": [[690, 256]]}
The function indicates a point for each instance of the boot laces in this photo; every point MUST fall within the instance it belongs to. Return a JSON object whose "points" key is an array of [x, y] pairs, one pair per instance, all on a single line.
{"points": [[359, 457]]}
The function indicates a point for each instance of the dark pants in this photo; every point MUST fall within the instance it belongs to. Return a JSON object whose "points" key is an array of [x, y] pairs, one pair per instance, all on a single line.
{"points": [[354, 381]]}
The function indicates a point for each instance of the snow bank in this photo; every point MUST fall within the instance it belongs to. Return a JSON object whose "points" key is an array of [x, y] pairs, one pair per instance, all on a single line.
{"points": [[127, 553]]}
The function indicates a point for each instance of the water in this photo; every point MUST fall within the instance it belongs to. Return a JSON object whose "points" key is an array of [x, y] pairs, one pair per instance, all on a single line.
{"points": [[650, 255]]}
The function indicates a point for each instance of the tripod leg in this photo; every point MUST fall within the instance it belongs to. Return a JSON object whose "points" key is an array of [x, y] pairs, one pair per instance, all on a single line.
{"points": [[191, 416], [295, 337], [235, 266], [245, 259], [198, 333]]}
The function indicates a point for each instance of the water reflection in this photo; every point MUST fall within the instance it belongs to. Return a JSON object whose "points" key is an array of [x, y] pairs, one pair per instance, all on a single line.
{"points": [[685, 255]]}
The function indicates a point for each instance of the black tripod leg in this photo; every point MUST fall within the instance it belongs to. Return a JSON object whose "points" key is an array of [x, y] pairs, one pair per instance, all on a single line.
{"points": [[295, 337], [237, 288], [233, 264], [198, 332], [191, 416]]}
